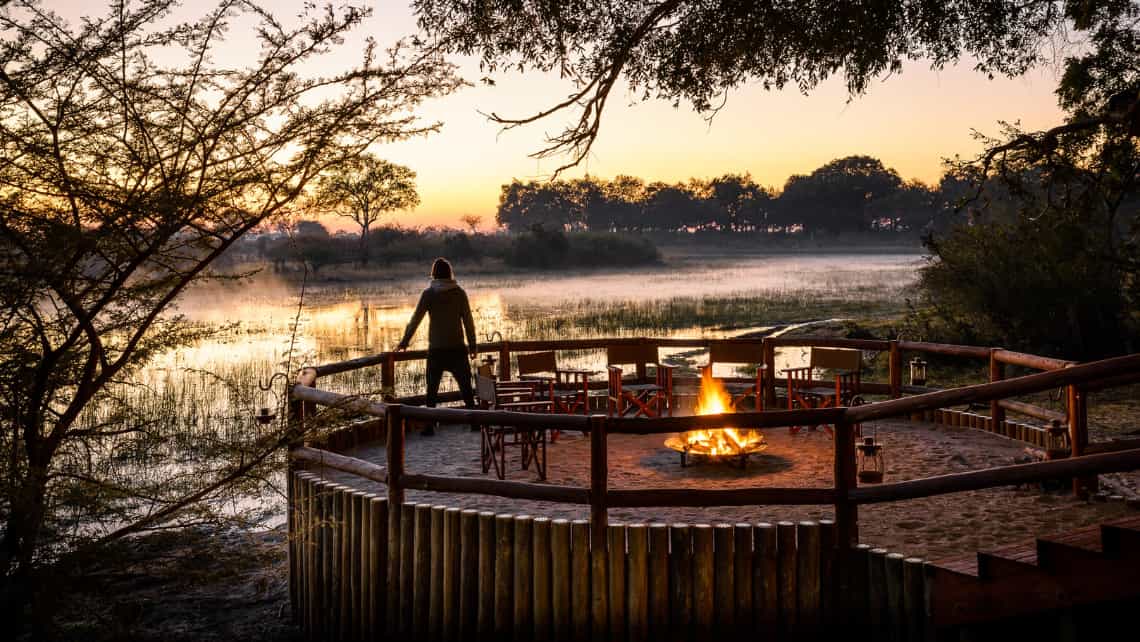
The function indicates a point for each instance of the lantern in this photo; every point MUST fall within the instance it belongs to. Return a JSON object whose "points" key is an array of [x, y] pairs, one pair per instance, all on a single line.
{"points": [[871, 464], [264, 416], [1057, 441], [917, 372]]}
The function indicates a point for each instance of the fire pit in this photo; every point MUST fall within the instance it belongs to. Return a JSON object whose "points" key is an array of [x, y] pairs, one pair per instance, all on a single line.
{"points": [[716, 444]]}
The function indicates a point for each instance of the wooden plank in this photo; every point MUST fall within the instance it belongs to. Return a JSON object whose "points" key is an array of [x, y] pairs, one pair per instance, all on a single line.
{"points": [[363, 601], [877, 601], [599, 581], [449, 608], [435, 582], [344, 552], [855, 593], [914, 599], [421, 573], [896, 613], [786, 549], [378, 563], [829, 582]]}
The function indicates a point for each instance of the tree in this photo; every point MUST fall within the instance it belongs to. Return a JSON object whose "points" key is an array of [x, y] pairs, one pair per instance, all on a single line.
{"points": [[697, 50], [472, 222], [363, 189], [837, 196], [134, 154]]}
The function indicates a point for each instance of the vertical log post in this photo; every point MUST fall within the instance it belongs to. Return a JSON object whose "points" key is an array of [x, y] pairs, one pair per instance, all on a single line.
{"points": [[765, 581], [523, 578], [894, 366], [395, 456], [877, 602], [616, 581], [449, 609], [561, 572], [808, 611], [378, 591], [896, 620], [638, 583], [485, 609], [504, 576], [914, 599], [407, 567], [846, 511], [468, 573], [770, 369], [421, 572], [436, 568], [504, 361], [786, 550], [580, 604], [658, 582], [680, 582], [724, 579], [388, 377], [703, 582], [295, 427], [997, 373], [742, 581], [599, 525], [1079, 436], [541, 584]]}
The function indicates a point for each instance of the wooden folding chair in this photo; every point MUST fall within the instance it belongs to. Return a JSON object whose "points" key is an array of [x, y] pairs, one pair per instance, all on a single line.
{"points": [[749, 353], [638, 397], [805, 391], [568, 391], [518, 396]]}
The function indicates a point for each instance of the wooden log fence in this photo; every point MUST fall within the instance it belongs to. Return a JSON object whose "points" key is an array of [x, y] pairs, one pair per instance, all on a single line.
{"points": [[365, 566]]}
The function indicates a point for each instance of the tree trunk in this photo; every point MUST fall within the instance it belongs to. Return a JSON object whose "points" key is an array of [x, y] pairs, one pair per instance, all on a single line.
{"points": [[364, 245], [18, 547]]}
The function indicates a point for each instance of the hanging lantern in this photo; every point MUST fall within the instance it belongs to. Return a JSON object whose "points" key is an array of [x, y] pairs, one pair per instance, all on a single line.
{"points": [[917, 372], [871, 464], [1057, 444], [264, 416]]}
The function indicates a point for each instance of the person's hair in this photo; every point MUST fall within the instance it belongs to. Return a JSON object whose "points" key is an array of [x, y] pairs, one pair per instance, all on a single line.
{"points": [[441, 269]]}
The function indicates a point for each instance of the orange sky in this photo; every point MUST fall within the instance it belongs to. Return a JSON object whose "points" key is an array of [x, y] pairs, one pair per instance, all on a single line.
{"points": [[911, 121]]}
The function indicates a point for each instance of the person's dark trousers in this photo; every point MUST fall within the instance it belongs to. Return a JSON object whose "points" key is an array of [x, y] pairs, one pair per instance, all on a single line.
{"points": [[453, 360]]}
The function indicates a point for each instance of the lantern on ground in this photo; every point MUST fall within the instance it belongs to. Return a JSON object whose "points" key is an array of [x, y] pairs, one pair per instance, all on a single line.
{"points": [[871, 464], [917, 372]]}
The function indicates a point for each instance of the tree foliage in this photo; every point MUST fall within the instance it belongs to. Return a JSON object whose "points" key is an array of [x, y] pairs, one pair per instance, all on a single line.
{"points": [[134, 154], [696, 50], [363, 189]]}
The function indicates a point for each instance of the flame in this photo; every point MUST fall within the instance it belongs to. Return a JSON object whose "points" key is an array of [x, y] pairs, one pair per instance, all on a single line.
{"points": [[713, 399]]}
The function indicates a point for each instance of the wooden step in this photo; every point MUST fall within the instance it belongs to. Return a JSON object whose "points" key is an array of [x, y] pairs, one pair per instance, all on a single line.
{"points": [[1070, 553], [1018, 559], [1121, 538]]}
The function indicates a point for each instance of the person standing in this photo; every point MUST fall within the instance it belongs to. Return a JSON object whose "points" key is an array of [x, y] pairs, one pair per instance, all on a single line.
{"points": [[449, 322]]}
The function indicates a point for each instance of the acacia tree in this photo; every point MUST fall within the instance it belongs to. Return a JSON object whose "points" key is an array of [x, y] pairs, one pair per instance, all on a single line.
{"points": [[133, 155], [364, 188]]}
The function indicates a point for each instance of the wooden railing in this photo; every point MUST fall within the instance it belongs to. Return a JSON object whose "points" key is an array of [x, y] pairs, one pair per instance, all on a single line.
{"points": [[390, 419]]}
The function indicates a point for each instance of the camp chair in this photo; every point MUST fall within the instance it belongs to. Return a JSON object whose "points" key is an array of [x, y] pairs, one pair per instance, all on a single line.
{"points": [[568, 390], [637, 396], [518, 396], [750, 353], [806, 392]]}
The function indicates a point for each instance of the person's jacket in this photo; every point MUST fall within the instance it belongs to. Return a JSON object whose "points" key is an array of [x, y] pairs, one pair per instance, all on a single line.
{"points": [[446, 305]]}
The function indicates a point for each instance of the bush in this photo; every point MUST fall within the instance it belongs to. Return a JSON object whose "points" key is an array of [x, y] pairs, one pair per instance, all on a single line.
{"points": [[541, 249]]}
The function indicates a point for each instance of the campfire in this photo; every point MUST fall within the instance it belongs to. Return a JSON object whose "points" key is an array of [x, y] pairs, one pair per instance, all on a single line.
{"points": [[728, 444]]}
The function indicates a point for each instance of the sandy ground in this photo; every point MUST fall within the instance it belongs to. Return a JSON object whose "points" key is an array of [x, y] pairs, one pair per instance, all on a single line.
{"points": [[932, 528]]}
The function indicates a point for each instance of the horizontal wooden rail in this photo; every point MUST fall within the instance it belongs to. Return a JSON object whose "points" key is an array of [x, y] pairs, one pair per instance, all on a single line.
{"points": [[326, 459], [339, 401], [830, 342], [1030, 360], [992, 477], [662, 497], [1030, 410], [497, 417], [498, 487], [1112, 382], [766, 419], [997, 390], [1116, 445], [946, 349]]}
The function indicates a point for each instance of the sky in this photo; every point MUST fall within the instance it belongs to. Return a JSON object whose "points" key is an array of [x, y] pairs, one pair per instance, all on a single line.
{"points": [[911, 121]]}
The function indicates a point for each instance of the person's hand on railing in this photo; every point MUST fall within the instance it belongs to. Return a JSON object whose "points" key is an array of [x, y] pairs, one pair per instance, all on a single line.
{"points": [[401, 347]]}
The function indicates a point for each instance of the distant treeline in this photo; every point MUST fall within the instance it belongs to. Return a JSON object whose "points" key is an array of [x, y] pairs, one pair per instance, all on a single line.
{"points": [[311, 245], [855, 194]]}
